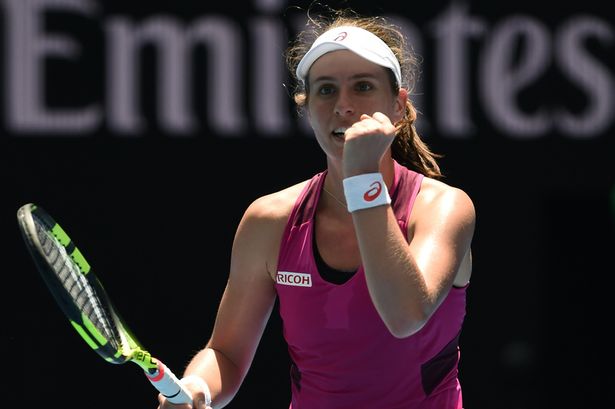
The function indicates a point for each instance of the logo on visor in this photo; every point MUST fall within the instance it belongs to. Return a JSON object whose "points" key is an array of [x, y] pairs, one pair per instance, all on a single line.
{"points": [[373, 192], [341, 36]]}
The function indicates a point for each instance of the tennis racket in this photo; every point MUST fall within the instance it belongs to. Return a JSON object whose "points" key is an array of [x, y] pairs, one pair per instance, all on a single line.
{"points": [[83, 299]]}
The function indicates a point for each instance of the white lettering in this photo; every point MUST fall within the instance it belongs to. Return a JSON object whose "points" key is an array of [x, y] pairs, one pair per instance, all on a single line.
{"points": [[213, 76], [28, 46], [452, 83], [506, 73], [174, 44], [587, 73], [269, 99]]}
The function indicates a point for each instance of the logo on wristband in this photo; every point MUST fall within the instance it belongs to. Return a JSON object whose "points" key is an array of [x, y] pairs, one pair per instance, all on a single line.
{"points": [[373, 192]]}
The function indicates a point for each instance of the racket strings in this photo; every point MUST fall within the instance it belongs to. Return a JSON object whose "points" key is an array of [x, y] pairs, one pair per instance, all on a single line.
{"points": [[77, 285]]}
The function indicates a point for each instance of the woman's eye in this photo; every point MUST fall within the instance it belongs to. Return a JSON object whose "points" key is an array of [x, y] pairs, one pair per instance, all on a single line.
{"points": [[364, 86], [325, 90]]}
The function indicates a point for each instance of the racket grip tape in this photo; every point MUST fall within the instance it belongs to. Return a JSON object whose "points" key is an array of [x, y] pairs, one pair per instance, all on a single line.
{"points": [[169, 385]]}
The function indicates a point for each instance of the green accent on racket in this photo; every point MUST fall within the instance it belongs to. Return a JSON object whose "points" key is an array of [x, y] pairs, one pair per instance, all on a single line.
{"points": [[84, 335]]}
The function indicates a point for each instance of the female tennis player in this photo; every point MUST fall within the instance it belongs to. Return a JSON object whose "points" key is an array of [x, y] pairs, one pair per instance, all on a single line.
{"points": [[370, 258]]}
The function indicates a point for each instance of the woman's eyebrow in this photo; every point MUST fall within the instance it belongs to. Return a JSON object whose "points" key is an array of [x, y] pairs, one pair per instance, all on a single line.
{"points": [[365, 75]]}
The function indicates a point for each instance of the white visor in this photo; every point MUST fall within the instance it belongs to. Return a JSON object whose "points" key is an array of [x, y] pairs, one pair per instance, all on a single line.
{"points": [[361, 42]]}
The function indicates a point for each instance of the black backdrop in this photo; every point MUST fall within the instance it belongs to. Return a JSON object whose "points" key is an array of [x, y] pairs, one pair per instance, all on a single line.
{"points": [[155, 207]]}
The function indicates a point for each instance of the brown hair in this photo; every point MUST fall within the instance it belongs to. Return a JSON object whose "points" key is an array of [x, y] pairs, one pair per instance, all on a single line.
{"points": [[408, 148]]}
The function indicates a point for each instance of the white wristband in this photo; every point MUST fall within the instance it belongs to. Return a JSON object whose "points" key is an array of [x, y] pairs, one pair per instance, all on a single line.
{"points": [[365, 191], [201, 382]]}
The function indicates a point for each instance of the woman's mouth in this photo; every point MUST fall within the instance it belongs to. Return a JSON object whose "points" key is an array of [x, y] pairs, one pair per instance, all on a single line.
{"points": [[339, 132]]}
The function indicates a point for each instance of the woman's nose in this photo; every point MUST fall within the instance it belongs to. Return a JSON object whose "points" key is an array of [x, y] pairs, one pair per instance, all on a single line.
{"points": [[344, 104]]}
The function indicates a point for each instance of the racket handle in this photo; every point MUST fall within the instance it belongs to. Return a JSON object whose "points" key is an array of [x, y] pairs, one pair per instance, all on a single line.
{"points": [[169, 385]]}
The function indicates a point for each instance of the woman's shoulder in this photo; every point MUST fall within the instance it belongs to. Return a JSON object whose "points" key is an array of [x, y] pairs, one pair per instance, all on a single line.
{"points": [[432, 189], [275, 206], [257, 238], [436, 194]]}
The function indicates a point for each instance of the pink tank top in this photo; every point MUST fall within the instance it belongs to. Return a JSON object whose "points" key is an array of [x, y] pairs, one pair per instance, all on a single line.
{"points": [[343, 356]]}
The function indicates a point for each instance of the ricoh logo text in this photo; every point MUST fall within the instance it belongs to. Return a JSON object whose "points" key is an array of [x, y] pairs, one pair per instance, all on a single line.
{"points": [[295, 279]]}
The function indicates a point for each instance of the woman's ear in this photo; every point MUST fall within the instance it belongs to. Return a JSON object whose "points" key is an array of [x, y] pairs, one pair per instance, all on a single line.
{"points": [[400, 104]]}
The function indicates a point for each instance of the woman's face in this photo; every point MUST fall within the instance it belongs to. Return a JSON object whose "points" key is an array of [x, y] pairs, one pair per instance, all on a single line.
{"points": [[342, 86]]}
